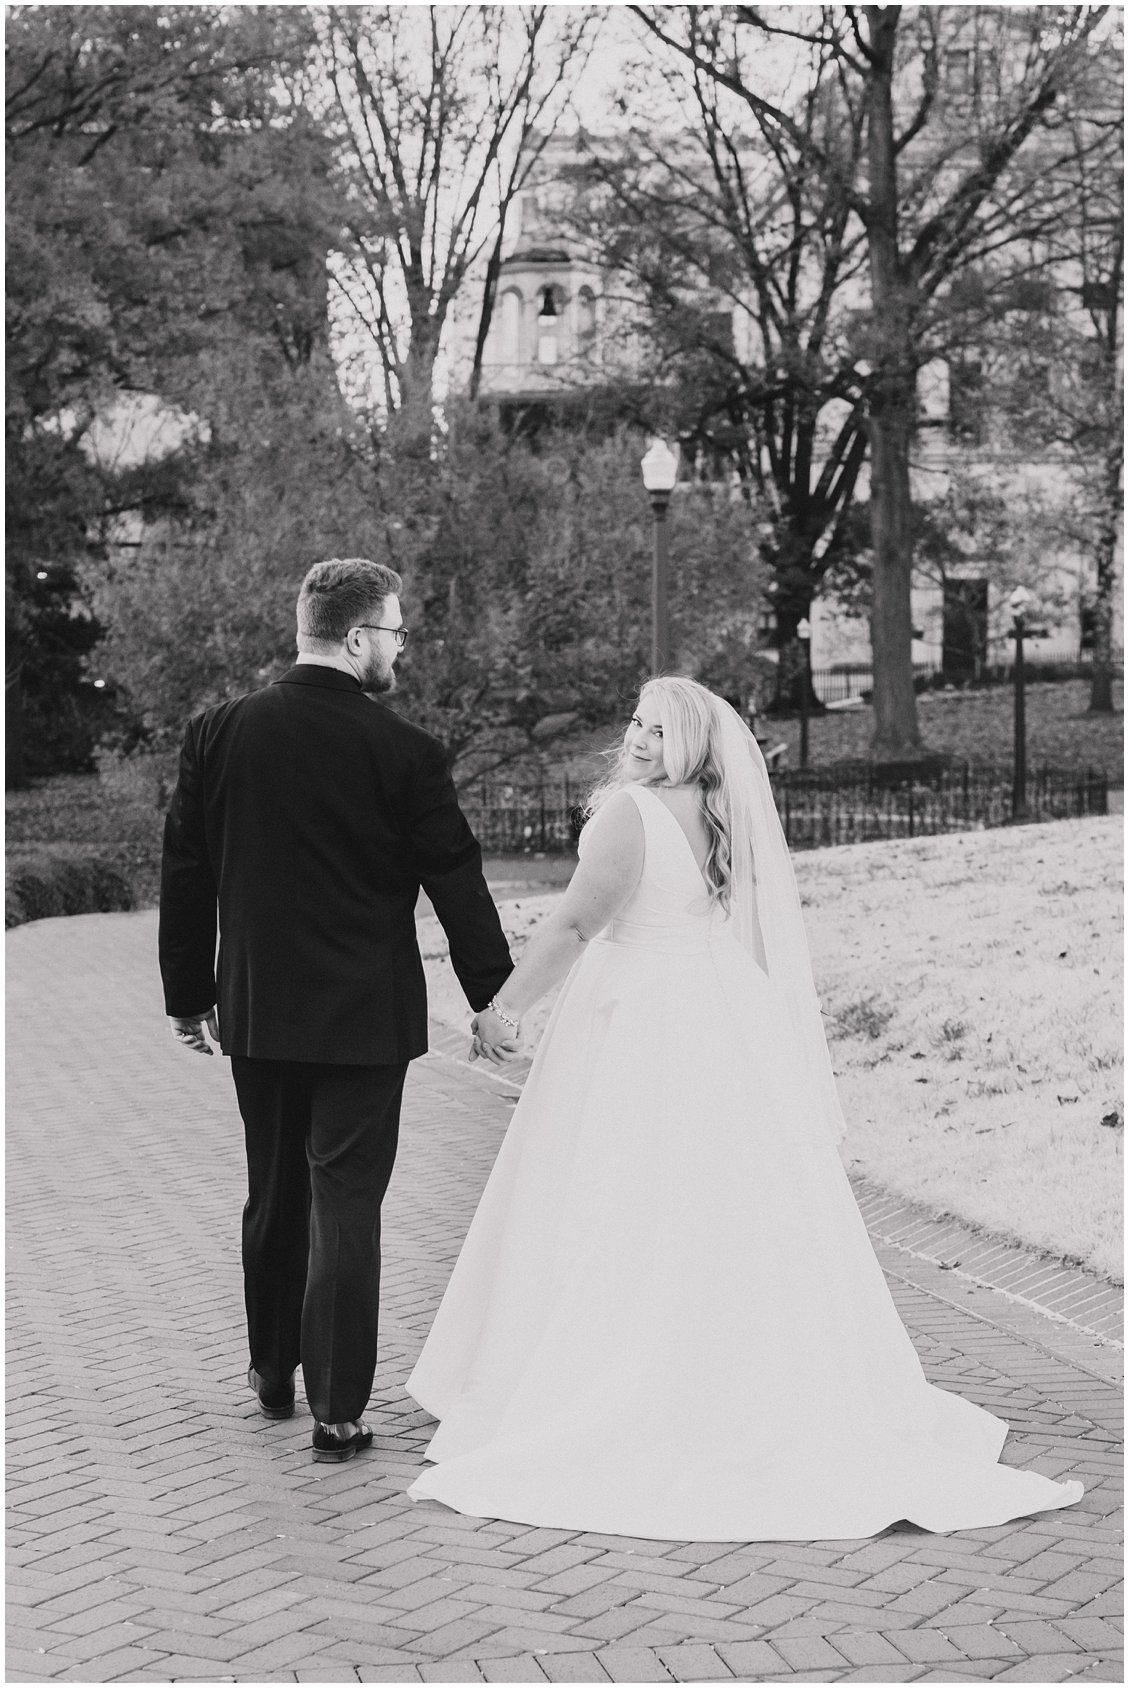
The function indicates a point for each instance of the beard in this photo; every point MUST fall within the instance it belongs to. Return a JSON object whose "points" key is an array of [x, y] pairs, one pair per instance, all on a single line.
{"points": [[378, 677]]}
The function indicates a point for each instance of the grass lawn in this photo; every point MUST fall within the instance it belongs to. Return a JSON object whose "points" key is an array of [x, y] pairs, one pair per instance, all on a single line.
{"points": [[977, 726], [972, 990]]}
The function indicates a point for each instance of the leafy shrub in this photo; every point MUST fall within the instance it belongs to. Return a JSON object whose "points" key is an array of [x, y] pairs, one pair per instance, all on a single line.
{"points": [[57, 882], [115, 816]]}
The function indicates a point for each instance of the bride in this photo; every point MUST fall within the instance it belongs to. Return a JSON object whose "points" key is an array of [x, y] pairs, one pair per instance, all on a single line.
{"points": [[667, 1319]]}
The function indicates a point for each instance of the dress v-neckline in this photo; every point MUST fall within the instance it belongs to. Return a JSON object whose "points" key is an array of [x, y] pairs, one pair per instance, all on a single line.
{"points": [[681, 833]]}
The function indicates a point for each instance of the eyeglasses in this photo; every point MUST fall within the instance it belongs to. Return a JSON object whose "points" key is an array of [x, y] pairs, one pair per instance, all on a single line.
{"points": [[400, 632]]}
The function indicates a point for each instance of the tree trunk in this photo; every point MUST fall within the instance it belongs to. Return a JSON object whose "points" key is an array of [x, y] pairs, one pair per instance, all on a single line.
{"points": [[891, 416], [486, 314], [414, 424], [793, 671], [1109, 546], [896, 733]]}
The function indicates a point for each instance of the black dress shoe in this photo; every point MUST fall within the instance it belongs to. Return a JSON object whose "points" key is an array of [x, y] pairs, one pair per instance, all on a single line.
{"points": [[276, 1400], [334, 1442]]}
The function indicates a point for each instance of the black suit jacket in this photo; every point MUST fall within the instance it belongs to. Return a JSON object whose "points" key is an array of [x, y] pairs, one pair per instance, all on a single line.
{"points": [[307, 816]]}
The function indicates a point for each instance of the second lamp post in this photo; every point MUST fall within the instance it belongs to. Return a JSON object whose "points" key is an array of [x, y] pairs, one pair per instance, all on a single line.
{"points": [[660, 472], [803, 634], [1019, 603]]}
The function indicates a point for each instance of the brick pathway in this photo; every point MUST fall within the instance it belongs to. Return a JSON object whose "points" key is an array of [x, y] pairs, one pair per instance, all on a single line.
{"points": [[160, 1529]]}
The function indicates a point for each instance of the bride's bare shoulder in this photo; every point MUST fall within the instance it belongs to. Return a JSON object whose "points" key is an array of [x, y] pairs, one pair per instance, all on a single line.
{"points": [[617, 814], [611, 853]]}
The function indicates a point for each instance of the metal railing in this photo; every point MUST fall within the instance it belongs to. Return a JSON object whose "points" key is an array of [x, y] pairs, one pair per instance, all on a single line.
{"points": [[817, 807], [514, 819], [962, 799]]}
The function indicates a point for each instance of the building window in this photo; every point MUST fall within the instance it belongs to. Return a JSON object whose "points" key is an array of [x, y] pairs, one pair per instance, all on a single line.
{"points": [[964, 635], [586, 322], [510, 327], [966, 399], [933, 394], [549, 326], [960, 70]]}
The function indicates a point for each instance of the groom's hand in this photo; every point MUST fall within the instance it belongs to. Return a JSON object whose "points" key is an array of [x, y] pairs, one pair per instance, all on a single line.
{"points": [[498, 1053], [493, 1040], [189, 1030]]}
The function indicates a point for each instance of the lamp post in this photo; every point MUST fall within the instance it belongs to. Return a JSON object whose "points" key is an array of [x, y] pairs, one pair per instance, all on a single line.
{"points": [[803, 634], [660, 471], [1018, 604]]}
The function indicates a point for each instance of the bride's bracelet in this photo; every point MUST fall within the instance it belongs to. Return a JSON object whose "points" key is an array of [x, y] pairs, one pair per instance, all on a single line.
{"points": [[495, 1007]]}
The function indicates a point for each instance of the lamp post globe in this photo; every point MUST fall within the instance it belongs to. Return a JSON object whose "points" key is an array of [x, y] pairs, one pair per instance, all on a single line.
{"points": [[660, 472], [660, 468], [1019, 602]]}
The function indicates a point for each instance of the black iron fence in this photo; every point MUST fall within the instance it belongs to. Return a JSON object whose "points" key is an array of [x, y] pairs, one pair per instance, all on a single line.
{"points": [[817, 807], [510, 820], [961, 799]]}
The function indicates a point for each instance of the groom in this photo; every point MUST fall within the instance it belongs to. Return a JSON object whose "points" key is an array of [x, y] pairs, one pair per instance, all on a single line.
{"points": [[305, 819]]}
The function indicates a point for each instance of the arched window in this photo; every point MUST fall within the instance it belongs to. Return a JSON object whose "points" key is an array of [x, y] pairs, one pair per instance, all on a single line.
{"points": [[548, 325], [586, 323], [509, 327]]}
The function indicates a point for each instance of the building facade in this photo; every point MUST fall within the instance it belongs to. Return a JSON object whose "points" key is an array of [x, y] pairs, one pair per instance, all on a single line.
{"points": [[562, 324]]}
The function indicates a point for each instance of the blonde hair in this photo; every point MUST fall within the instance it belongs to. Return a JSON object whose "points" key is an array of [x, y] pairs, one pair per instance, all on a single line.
{"points": [[688, 713]]}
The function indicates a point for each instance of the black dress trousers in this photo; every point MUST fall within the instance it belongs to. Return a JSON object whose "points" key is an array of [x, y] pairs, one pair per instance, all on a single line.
{"points": [[321, 1142]]}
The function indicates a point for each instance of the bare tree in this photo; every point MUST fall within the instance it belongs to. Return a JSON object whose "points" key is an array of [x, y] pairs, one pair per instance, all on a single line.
{"points": [[938, 185], [441, 113], [744, 260], [1063, 382]]}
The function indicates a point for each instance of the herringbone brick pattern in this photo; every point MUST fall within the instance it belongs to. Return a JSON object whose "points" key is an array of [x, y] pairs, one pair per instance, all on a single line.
{"points": [[160, 1529]]}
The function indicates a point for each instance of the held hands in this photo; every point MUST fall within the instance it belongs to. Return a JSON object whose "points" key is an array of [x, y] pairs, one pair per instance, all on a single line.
{"points": [[189, 1031], [492, 1039]]}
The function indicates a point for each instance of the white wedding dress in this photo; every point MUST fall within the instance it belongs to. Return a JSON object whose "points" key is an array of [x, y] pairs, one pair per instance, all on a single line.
{"points": [[667, 1319]]}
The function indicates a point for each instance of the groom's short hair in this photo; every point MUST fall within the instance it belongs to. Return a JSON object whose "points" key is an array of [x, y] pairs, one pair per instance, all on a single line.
{"points": [[340, 593]]}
